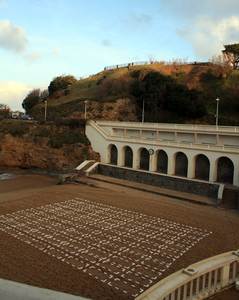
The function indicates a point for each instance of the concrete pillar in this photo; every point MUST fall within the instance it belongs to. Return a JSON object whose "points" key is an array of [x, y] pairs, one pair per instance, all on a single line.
{"points": [[236, 173], [120, 161], [191, 167], [136, 159], [106, 159], [213, 170], [153, 162], [171, 164]]}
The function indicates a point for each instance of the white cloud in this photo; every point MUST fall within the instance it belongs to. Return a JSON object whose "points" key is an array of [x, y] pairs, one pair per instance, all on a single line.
{"points": [[33, 56], [191, 9], [12, 37], [106, 43], [55, 51], [12, 93], [208, 36]]}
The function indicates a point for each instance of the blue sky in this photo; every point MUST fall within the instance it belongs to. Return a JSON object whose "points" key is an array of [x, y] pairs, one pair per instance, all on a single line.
{"points": [[40, 39]]}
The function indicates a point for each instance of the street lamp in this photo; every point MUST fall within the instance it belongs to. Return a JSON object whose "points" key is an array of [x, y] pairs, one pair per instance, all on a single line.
{"points": [[45, 102], [217, 100], [143, 112], [85, 108]]}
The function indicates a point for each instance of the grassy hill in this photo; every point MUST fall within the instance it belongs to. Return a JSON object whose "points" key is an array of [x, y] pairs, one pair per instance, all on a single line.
{"points": [[110, 94]]}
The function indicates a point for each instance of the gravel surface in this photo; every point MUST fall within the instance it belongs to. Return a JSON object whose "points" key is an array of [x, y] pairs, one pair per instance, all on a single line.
{"points": [[25, 258]]}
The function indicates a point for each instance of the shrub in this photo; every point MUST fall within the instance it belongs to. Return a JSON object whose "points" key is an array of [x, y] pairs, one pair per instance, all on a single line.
{"points": [[66, 138], [61, 83]]}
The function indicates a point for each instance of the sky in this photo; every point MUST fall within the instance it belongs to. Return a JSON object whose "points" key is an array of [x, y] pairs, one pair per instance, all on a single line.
{"points": [[41, 39]]}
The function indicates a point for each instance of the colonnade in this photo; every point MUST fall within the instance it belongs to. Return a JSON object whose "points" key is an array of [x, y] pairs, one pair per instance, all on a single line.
{"points": [[174, 163]]}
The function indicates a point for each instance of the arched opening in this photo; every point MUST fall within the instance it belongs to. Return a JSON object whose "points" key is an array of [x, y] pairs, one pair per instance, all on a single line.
{"points": [[162, 162], [113, 154], [202, 167], [225, 170], [144, 159], [128, 157], [181, 164]]}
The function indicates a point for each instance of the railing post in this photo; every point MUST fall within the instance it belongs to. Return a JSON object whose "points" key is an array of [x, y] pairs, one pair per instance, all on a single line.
{"points": [[225, 275]]}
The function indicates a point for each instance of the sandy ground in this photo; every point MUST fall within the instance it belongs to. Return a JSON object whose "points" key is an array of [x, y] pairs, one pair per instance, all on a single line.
{"points": [[21, 262]]}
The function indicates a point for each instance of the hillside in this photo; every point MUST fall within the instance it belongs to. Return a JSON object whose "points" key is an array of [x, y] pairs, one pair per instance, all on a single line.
{"points": [[42, 146], [111, 95]]}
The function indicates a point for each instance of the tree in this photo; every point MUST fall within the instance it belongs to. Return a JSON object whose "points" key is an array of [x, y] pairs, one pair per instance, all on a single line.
{"points": [[4, 111], [61, 83], [163, 93], [32, 99], [231, 55]]}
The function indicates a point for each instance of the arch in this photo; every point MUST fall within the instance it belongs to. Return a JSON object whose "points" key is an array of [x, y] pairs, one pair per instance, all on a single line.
{"points": [[128, 157], [162, 161], [202, 167], [144, 159], [113, 154], [225, 170], [181, 164]]}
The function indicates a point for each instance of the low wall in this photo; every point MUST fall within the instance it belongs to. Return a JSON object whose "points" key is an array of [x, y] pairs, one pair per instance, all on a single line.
{"points": [[164, 181]]}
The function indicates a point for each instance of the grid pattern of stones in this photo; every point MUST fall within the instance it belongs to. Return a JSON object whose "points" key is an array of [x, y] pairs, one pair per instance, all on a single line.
{"points": [[126, 250]]}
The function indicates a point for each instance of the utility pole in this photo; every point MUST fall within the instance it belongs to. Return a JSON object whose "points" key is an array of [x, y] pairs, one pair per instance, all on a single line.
{"points": [[45, 102], [217, 111]]}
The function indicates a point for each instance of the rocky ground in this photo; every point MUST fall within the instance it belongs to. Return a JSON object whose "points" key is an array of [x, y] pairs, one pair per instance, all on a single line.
{"points": [[22, 262]]}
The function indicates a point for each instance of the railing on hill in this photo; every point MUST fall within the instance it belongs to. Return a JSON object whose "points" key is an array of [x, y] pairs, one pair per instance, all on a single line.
{"points": [[143, 63], [198, 281]]}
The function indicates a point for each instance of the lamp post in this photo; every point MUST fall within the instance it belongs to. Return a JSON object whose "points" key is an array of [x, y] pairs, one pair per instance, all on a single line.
{"points": [[45, 114], [85, 108], [143, 112], [217, 111]]}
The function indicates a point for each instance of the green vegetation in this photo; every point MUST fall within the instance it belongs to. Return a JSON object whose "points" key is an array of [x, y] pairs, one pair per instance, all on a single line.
{"points": [[4, 111], [231, 54], [172, 93], [55, 136], [162, 93], [59, 139], [14, 127], [61, 83], [33, 98]]}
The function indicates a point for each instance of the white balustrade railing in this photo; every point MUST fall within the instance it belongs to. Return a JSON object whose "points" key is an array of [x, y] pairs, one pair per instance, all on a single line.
{"points": [[198, 281], [168, 126]]}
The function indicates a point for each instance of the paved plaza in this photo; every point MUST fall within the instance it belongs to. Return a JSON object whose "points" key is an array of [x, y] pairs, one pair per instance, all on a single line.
{"points": [[125, 250]]}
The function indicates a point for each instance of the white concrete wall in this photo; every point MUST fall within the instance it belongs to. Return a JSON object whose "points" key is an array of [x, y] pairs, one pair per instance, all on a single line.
{"points": [[101, 141]]}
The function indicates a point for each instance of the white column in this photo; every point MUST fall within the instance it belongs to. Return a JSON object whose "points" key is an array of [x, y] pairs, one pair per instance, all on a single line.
{"points": [[107, 156], [171, 165], [236, 173], [191, 167], [153, 162], [136, 159], [213, 170], [120, 161]]}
